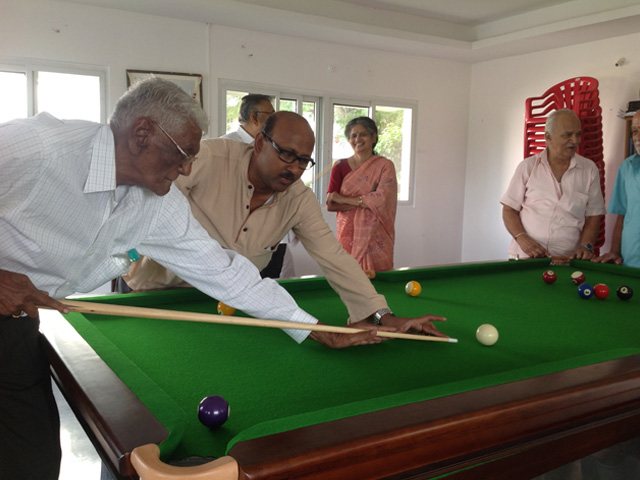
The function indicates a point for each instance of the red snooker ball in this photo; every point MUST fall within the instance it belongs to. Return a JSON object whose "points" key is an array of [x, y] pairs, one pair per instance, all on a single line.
{"points": [[601, 290], [549, 276], [578, 278]]}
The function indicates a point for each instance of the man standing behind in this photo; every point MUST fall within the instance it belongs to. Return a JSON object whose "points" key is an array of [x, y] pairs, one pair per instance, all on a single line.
{"points": [[625, 203], [247, 198], [254, 111], [554, 203]]}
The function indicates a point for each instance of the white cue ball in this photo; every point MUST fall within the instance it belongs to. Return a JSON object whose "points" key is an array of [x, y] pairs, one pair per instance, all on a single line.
{"points": [[487, 334]]}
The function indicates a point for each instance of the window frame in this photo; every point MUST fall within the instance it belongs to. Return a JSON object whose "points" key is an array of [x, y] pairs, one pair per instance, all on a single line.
{"points": [[30, 69], [324, 124], [371, 104]]}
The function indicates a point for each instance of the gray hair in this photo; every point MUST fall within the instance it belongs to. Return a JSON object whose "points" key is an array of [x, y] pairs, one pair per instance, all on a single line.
{"points": [[163, 101], [367, 123], [249, 102], [551, 119]]}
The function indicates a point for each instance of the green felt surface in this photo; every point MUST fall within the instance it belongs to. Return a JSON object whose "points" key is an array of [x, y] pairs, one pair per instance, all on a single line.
{"points": [[274, 384]]}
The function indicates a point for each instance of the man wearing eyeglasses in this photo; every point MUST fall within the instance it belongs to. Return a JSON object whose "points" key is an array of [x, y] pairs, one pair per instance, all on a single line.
{"points": [[248, 197], [78, 200], [254, 111]]}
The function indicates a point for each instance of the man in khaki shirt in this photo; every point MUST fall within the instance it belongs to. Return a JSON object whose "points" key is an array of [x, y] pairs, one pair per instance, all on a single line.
{"points": [[247, 197]]}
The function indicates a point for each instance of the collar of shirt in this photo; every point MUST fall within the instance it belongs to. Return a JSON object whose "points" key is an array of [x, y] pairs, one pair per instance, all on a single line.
{"points": [[250, 189], [246, 137], [102, 171], [544, 157]]}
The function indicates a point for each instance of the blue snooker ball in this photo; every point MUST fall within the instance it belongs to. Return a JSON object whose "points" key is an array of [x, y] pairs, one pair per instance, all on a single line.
{"points": [[585, 290]]}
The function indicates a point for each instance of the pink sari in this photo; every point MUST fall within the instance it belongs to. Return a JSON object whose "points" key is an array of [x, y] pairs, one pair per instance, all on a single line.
{"points": [[369, 233]]}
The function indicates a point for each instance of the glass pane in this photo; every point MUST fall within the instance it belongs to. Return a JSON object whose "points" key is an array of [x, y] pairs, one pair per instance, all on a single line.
{"points": [[394, 142], [68, 95], [13, 96], [234, 99], [288, 105], [341, 116], [309, 176]]}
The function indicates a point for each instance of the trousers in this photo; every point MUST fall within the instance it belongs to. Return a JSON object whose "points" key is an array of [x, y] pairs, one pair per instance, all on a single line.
{"points": [[29, 419]]}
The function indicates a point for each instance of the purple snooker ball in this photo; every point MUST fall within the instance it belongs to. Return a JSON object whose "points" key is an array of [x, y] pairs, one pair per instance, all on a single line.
{"points": [[213, 411]]}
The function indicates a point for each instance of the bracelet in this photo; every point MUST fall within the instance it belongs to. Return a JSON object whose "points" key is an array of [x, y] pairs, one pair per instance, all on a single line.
{"points": [[521, 233]]}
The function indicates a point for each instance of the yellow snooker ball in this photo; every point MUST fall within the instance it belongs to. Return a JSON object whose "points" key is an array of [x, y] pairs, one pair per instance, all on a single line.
{"points": [[487, 334], [225, 309], [413, 288]]}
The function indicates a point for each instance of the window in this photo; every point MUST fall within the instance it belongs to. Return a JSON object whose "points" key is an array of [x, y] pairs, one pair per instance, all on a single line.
{"points": [[68, 95], [13, 95], [395, 138], [395, 123], [65, 94]]}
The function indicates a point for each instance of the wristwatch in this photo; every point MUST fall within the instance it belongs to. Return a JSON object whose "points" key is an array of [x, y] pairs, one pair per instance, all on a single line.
{"points": [[377, 317], [588, 246]]}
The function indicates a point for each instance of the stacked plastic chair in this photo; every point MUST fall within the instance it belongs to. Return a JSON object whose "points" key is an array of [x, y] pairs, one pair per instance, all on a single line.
{"points": [[580, 95]]}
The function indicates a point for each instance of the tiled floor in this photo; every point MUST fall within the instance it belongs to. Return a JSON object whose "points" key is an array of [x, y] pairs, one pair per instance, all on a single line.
{"points": [[79, 459]]}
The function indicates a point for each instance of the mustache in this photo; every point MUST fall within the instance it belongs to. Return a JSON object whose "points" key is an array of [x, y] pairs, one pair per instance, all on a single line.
{"points": [[288, 176]]}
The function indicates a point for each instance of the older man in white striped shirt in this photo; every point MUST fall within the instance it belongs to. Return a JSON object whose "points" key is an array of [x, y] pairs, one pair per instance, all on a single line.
{"points": [[75, 199]]}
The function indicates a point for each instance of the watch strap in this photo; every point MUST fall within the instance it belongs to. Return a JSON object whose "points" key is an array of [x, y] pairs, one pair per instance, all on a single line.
{"points": [[588, 246], [377, 317]]}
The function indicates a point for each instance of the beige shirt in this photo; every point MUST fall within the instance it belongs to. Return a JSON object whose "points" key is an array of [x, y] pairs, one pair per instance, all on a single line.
{"points": [[219, 192]]}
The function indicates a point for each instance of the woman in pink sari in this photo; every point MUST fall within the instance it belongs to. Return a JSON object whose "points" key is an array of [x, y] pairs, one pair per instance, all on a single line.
{"points": [[363, 190]]}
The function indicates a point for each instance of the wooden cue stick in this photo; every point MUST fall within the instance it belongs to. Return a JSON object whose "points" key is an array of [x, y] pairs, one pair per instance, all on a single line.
{"points": [[141, 312]]}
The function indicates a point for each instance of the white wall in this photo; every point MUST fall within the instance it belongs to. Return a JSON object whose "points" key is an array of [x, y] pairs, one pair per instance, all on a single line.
{"points": [[428, 232], [499, 89], [82, 36], [470, 118]]}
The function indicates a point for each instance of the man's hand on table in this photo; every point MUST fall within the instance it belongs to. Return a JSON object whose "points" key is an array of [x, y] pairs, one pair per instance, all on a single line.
{"points": [[582, 253], [423, 325], [609, 257], [18, 296], [344, 340], [532, 248]]}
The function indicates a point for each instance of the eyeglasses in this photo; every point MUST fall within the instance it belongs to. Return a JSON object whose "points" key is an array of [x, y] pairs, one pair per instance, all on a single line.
{"points": [[267, 113], [187, 158], [305, 163]]}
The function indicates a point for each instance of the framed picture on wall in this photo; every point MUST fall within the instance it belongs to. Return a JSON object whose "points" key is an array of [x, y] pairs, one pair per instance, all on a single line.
{"points": [[189, 82]]}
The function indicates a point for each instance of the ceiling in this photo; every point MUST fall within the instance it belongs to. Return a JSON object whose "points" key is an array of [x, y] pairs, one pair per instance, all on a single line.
{"points": [[464, 30]]}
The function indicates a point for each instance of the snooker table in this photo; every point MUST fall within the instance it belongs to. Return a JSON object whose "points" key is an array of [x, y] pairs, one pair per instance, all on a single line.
{"points": [[562, 382]]}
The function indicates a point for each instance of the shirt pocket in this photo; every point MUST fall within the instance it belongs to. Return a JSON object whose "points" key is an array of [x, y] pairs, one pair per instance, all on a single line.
{"points": [[575, 205]]}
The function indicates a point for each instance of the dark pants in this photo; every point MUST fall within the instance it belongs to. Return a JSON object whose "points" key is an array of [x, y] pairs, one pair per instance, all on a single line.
{"points": [[29, 421], [274, 267]]}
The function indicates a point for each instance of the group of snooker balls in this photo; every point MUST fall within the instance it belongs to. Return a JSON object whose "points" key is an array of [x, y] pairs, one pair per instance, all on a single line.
{"points": [[585, 290], [213, 410]]}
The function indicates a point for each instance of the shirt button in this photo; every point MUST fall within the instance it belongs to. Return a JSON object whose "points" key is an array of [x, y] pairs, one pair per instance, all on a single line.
{"points": [[245, 229], [250, 187], [247, 207]]}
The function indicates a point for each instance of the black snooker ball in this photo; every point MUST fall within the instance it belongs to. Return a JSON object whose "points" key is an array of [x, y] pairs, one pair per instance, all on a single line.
{"points": [[213, 411], [624, 292]]}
